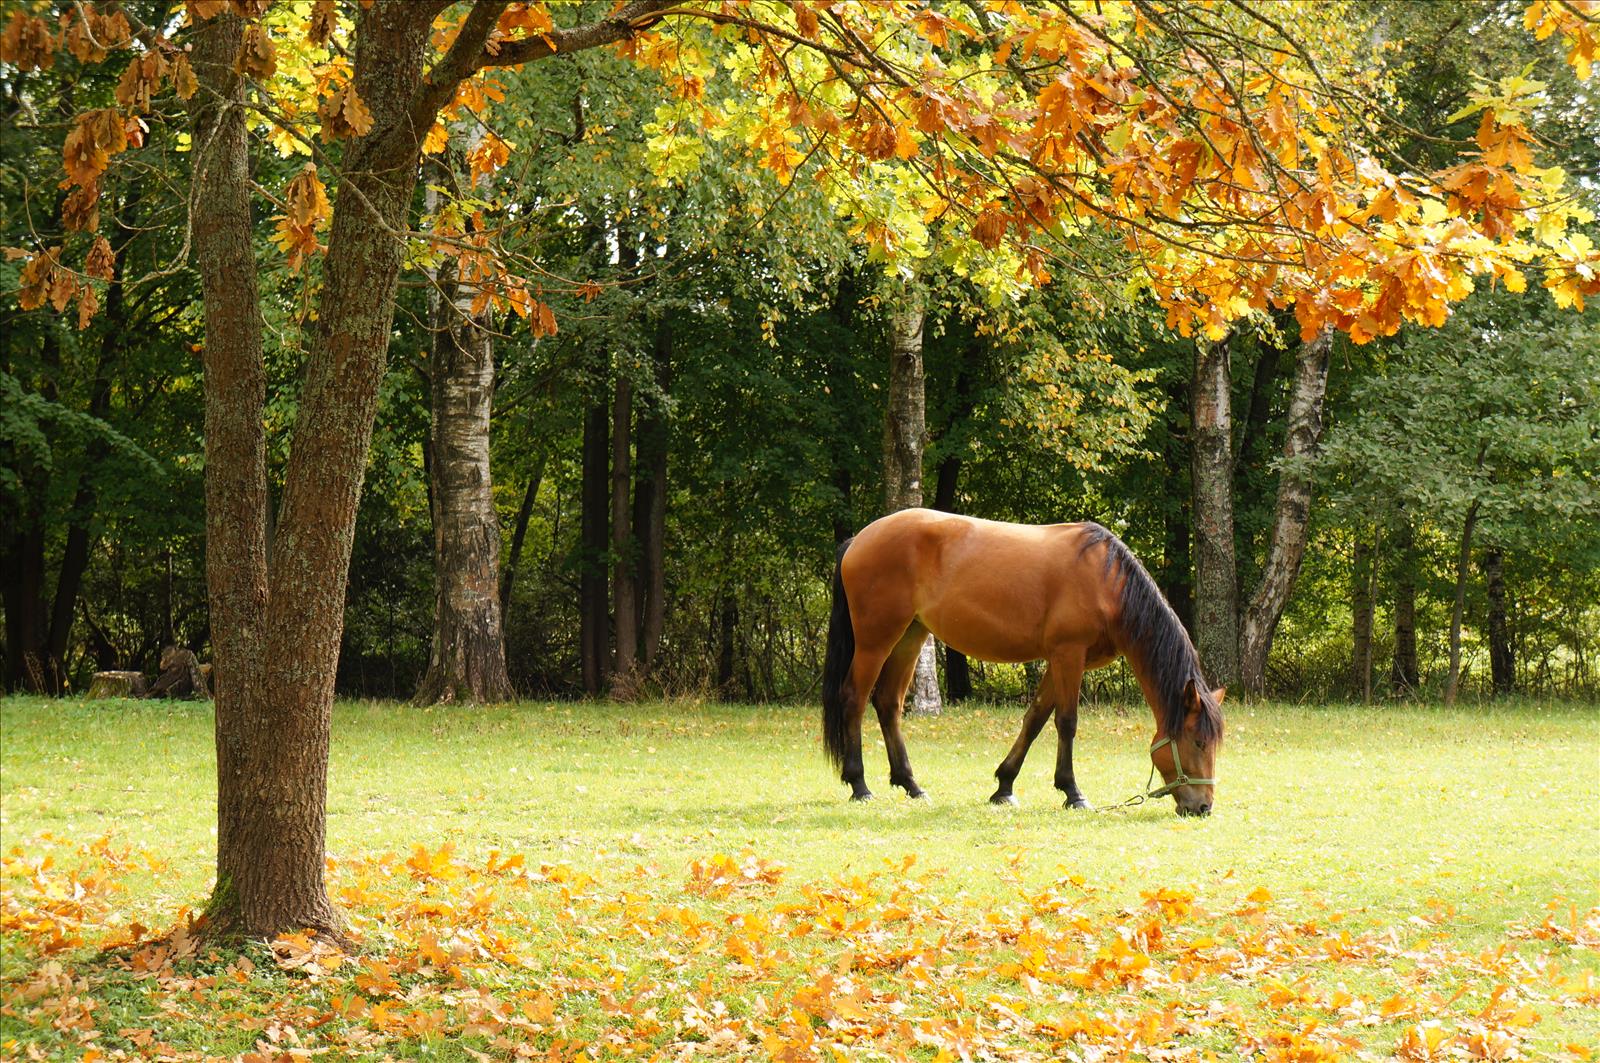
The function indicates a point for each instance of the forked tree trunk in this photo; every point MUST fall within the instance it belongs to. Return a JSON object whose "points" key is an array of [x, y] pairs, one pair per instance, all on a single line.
{"points": [[1361, 571], [1458, 608], [277, 652], [1216, 585], [905, 434], [1502, 659], [1291, 515], [467, 662], [1404, 673], [519, 533]]}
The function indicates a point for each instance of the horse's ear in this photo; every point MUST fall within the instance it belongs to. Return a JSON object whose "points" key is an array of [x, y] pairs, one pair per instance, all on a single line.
{"points": [[1191, 698], [1220, 693]]}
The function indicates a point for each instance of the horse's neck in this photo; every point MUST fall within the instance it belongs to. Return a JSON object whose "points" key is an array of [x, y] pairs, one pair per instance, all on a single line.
{"points": [[1152, 695]]}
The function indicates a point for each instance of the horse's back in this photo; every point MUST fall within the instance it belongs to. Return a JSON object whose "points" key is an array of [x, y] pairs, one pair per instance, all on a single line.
{"points": [[997, 591]]}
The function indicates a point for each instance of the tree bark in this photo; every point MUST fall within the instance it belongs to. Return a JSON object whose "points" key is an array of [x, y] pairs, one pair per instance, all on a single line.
{"points": [[1361, 615], [595, 533], [1404, 674], [1502, 658], [1216, 586], [467, 662], [727, 627], [1291, 515], [1458, 608], [905, 434]]}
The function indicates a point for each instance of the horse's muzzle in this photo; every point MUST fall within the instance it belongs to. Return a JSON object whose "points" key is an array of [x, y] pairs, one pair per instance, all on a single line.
{"points": [[1195, 810]]}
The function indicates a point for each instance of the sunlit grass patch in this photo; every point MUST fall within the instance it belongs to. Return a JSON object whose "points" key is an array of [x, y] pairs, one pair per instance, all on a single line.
{"points": [[687, 881]]}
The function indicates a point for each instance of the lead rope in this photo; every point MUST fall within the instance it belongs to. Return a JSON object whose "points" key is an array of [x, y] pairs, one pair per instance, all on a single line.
{"points": [[1180, 779]]}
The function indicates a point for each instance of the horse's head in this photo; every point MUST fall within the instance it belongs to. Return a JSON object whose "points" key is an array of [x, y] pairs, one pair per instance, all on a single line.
{"points": [[1187, 760]]}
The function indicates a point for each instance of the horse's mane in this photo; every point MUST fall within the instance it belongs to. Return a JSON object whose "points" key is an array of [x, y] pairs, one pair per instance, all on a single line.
{"points": [[1151, 629]]}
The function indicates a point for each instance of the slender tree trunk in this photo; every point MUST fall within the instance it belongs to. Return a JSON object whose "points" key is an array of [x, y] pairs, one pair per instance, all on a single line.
{"points": [[1404, 674], [248, 754], [727, 627], [650, 502], [27, 626], [905, 433], [1291, 516], [1361, 615], [1216, 585], [596, 540], [508, 576], [1463, 567], [624, 594], [1177, 560], [467, 662], [1502, 658]]}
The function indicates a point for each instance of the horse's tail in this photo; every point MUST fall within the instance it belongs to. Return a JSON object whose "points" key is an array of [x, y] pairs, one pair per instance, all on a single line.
{"points": [[836, 665]]}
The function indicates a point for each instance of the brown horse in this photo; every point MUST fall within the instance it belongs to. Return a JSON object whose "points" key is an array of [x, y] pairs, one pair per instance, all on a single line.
{"points": [[1072, 595]]}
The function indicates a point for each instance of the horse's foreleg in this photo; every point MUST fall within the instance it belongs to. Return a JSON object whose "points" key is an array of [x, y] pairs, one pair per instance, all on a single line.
{"points": [[1032, 724], [1066, 732], [889, 698]]}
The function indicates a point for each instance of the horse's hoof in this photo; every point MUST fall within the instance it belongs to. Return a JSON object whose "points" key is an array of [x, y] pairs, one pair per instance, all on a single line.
{"points": [[920, 795], [1003, 800], [1078, 803], [861, 797]]}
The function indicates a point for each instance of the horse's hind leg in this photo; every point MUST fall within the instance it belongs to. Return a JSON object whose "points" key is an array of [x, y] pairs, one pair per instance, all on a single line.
{"points": [[889, 698], [1032, 724], [864, 672]]}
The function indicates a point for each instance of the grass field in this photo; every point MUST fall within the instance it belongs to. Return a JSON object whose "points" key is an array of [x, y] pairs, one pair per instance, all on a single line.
{"points": [[687, 881]]}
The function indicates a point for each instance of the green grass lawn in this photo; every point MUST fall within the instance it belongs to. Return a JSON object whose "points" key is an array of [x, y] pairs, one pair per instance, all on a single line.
{"points": [[1427, 836]]}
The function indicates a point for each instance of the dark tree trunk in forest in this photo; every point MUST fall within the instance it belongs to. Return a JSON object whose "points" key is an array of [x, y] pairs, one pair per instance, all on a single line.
{"points": [[1502, 659], [519, 533], [905, 433], [1404, 674], [467, 662], [1458, 608], [1216, 586], [650, 502], [727, 662], [624, 596], [1361, 573], [596, 539], [1177, 561], [1291, 515]]}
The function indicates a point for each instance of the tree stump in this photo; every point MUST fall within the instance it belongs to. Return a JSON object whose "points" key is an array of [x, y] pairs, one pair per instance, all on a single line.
{"points": [[116, 685], [181, 676]]}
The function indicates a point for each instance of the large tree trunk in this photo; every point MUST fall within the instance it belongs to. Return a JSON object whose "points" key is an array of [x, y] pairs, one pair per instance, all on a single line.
{"points": [[1405, 674], [1502, 659], [1458, 608], [905, 433], [467, 662], [1361, 571], [1216, 586], [1287, 544], [592, 604], [27, 625]]}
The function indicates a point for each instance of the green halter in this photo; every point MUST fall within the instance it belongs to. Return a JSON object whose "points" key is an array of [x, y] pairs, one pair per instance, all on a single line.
{"points": [[1181, 779]]}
